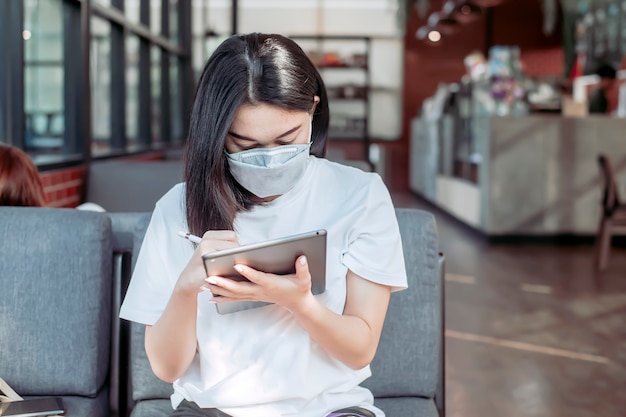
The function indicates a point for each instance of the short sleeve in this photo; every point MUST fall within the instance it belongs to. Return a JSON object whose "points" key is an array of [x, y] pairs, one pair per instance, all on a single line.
{"points": [[374, 247], [151, 283]]}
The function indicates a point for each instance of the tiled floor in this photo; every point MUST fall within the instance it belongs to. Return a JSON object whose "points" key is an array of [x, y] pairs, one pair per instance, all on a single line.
{"points": [[532, 331]]}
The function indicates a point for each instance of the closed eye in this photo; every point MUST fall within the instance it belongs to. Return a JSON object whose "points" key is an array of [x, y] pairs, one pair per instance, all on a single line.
{"points": [[246, 143], [256, 145], [248, 147], [285, 142]]}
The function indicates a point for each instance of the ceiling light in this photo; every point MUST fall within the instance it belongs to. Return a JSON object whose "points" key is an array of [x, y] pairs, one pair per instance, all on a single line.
{"points": [[434, 36], [467, 13]]}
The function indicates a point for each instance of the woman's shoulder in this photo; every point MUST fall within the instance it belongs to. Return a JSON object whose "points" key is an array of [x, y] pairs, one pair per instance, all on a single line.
{"points": [[173, 200], [347, 186], [346, 173], [346, 177]]}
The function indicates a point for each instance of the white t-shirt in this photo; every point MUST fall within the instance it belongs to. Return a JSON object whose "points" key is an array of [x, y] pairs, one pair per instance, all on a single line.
{"points": [[260, 362]]}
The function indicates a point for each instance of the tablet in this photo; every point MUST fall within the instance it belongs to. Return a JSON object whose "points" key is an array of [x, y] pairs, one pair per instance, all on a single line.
{"points": [[276, 256], [48, 406]]}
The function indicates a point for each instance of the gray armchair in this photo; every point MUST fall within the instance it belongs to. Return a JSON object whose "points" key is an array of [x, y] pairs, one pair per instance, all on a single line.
{"points": [[408, 371], [55, 307]]}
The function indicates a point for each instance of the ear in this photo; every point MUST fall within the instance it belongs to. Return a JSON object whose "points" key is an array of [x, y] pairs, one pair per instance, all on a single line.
{"points": [[316, 100]]}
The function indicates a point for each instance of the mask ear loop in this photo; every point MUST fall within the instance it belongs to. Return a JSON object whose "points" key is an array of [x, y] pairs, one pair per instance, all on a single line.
{"points": [[316, 101], [310, 142]]}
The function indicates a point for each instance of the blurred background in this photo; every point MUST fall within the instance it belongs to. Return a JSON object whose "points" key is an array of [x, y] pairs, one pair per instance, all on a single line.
{"points": [[504, 118]]}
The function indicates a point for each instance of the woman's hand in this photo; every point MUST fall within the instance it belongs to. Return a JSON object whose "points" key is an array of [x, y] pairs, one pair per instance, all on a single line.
{"points": [[290, 291], [193, 277]]}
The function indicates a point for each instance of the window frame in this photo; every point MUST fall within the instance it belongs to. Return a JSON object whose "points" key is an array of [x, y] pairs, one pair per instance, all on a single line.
{"points": [[76, 38]]}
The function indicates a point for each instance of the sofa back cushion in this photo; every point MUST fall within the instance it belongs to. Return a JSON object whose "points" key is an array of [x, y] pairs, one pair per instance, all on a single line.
{"points": [[55, 307], [408, 359], [138, 184], [145, 385]]}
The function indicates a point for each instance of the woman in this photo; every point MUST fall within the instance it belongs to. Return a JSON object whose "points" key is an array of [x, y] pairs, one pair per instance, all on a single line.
{"points": [[254, 171], [20, 184]]}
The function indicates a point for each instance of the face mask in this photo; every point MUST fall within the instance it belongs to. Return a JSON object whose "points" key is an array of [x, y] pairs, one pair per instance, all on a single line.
{"points": [[268, 172]]}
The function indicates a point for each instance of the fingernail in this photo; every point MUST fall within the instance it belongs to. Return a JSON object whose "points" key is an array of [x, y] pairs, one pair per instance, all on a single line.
{"points": [[211, 280], [303, 260], [203, 288], [239, 268]]}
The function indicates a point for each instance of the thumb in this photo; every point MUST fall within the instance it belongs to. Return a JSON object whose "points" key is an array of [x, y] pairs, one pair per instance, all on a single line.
{"points": [[302, 266]]}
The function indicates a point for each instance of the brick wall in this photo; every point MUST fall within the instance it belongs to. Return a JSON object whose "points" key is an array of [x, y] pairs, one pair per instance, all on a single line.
{"points": [[64, 187]]}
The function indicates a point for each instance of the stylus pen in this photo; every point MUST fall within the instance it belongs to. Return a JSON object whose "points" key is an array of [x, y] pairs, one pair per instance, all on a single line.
{"points": [[193, 238]]}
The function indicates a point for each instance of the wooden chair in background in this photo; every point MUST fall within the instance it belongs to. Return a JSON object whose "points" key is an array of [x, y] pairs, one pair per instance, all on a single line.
{"points": [[613, 213]]}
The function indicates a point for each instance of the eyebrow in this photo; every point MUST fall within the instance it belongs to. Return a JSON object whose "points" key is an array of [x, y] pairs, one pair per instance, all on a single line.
{"points": [[287, 133]]}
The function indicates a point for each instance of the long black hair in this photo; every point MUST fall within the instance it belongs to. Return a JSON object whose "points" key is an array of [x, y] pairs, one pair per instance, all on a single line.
{"points": [[245, 69]]}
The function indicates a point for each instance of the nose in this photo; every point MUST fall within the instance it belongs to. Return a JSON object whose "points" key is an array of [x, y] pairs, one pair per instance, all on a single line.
{"points": [[271, 145]]}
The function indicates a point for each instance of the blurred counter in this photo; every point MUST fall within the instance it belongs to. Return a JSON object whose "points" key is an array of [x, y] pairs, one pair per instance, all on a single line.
{"points": [[517, 175]]}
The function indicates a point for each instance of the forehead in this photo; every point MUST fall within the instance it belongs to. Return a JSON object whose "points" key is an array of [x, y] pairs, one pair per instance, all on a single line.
{"points": [[265, 117]]}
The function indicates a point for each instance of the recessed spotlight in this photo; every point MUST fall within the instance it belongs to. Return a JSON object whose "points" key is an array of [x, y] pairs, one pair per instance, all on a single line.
{"points": [[434, 36], [26, 35]]}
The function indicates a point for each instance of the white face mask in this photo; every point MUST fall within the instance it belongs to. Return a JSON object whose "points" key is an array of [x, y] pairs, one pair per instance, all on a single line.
{"points": [[267, 172]]}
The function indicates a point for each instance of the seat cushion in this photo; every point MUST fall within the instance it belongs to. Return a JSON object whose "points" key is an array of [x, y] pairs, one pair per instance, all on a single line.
{"points": [[407, 407], [85, 406], [152, 408]]}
